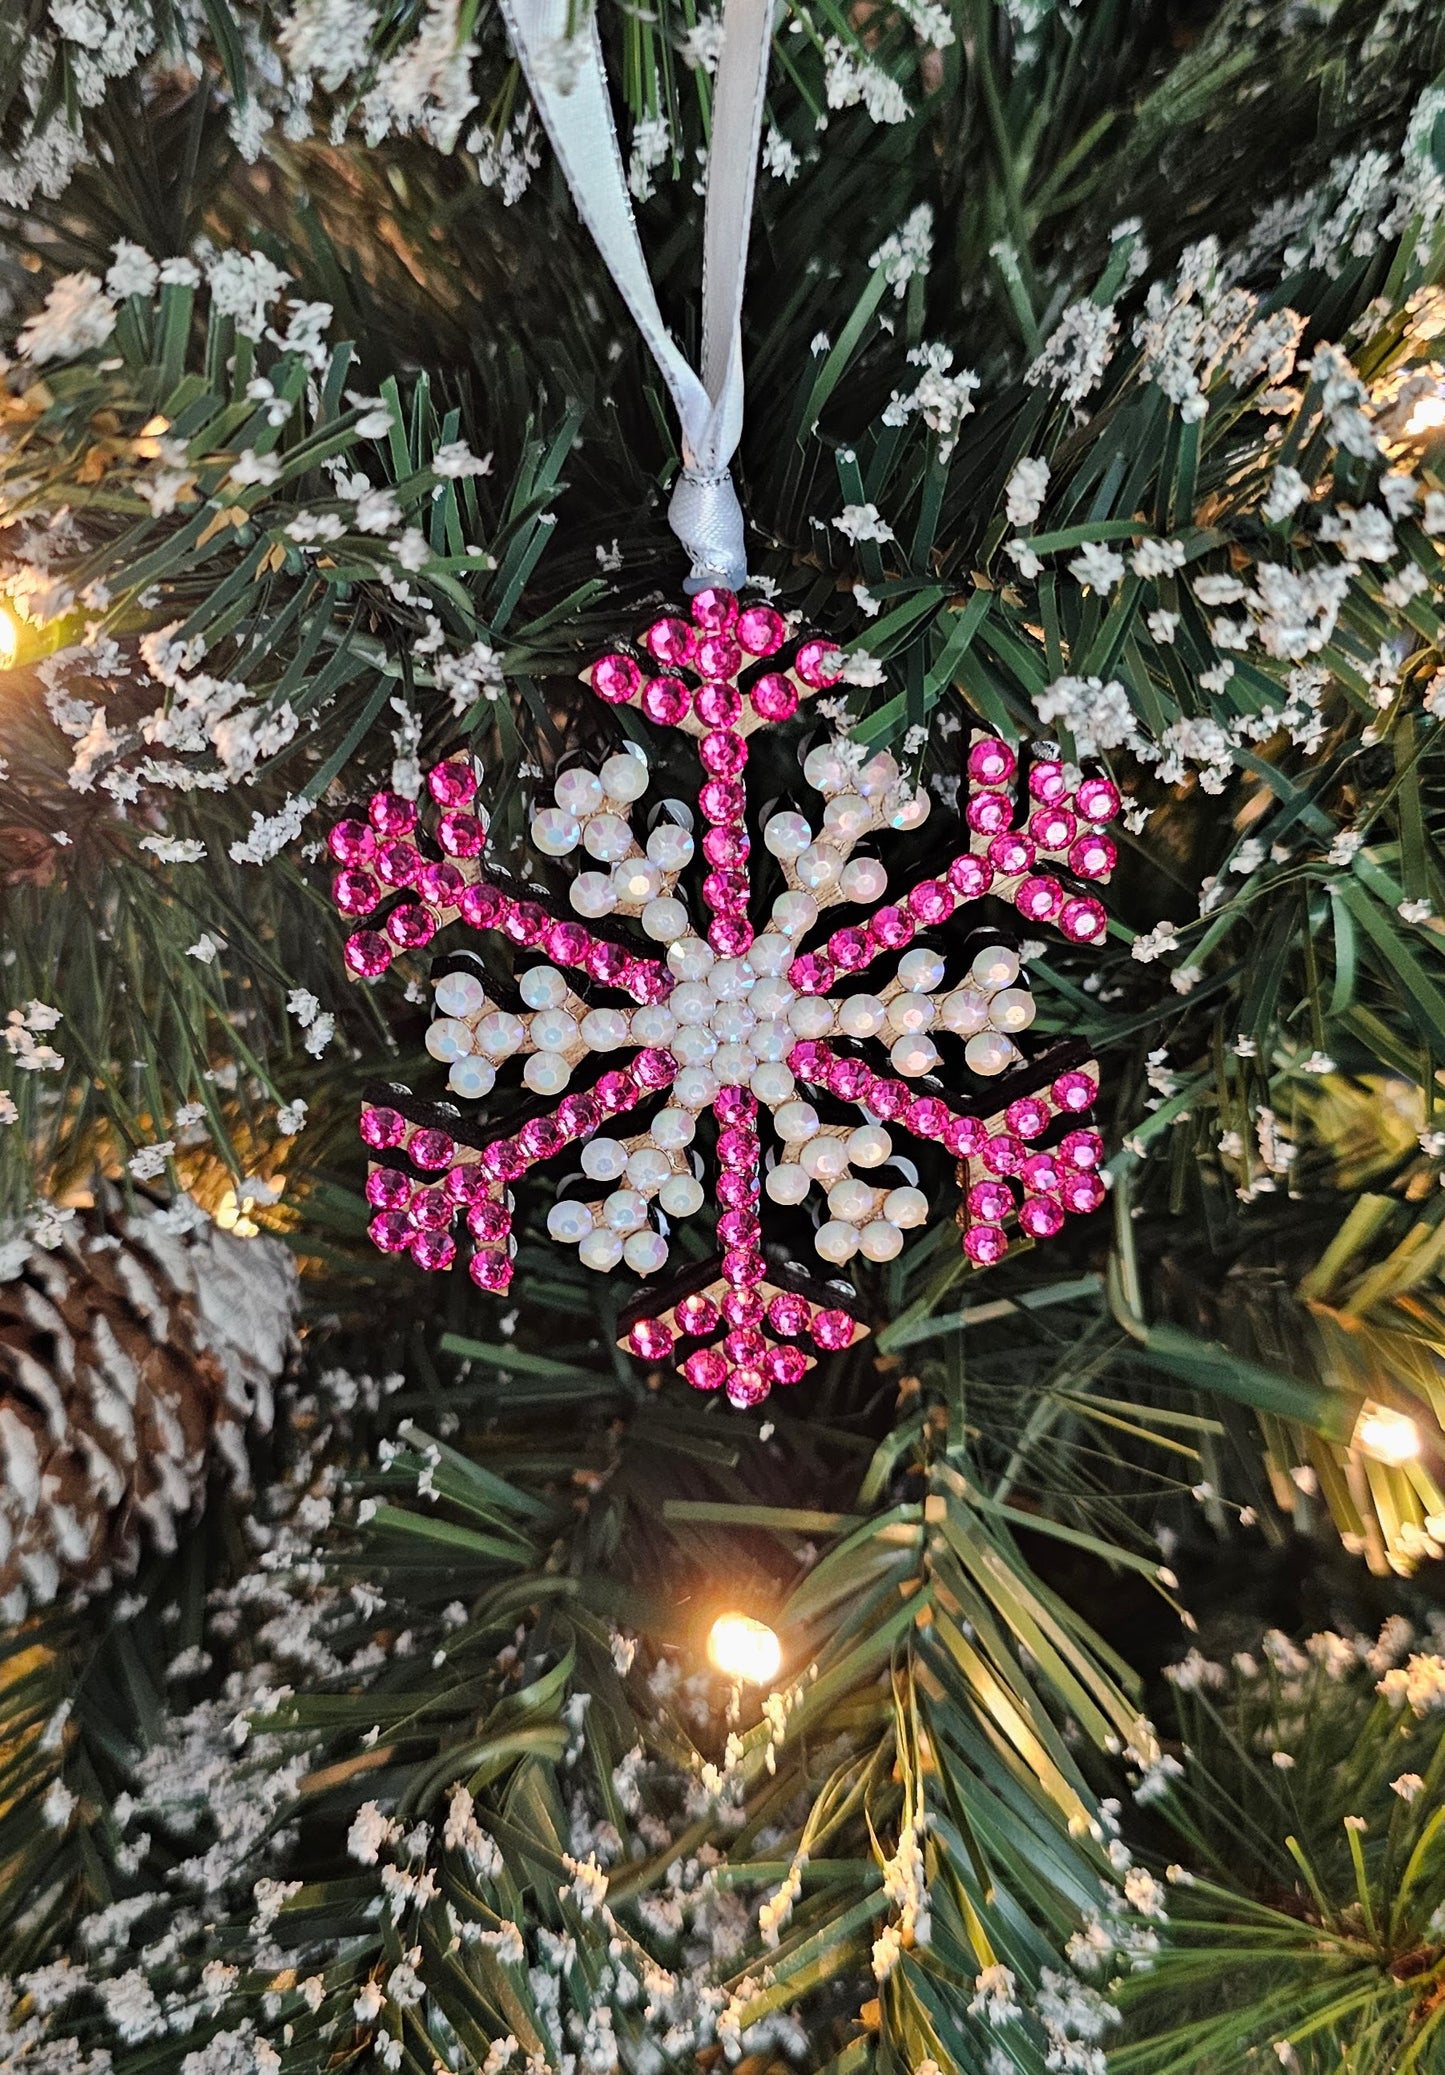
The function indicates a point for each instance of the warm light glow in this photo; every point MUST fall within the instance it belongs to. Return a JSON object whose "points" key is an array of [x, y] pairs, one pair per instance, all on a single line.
{"points": [[1387, 1436], [9, 637], [1426, 415], [744, 1649]]}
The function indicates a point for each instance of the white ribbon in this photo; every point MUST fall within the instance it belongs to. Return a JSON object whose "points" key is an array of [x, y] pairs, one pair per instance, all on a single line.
{"points": [[569, 86]]}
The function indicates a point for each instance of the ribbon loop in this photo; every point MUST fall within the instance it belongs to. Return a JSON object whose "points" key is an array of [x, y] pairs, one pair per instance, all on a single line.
{"points": [[568, 81]]}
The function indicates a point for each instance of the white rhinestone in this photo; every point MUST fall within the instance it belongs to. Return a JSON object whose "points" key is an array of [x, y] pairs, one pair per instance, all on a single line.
{"points": [[828, 768], [695, 1088], [906, 1208], [734, 1065], [770, 997], [648, 1169], [825, 1158], [861, 1016], [846, 816], [989, 1053], [578, 792], [915, 1054], [795, 913], [591, 895], [837, 1242], [624, 1210], [601, 1250], [869, 1146], [603, 1030], [645, 1252], [921, 970], [1012, 1008], [880, 1241], [732, 1021], [863, 879], [690, 958], [786, 1183], [964, 1011], [796, 1121], [694, 1045], [771, 1040], [770, 954], [731, 978], [851, 1200], [499, 1035], [878, 776], [995, 966], [772, 1082], [542, 987], [460, 994], [604, 1159], [569, 1221], [472, 1078], [787, 834], [636, 881], [653, 1024], [555, 832], [553, 1030], [607, 838], [909, 813], [664, 919], [670, 846], [624, 776], [811, 1016], [449, 1038], [682, 1195], [818, 867], [674, 1129], [692, 1002], [911, 1012], [547, 1073]]}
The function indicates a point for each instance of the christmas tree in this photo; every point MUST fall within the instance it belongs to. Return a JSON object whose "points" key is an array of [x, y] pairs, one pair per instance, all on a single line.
{"points": [[721, 1338]]}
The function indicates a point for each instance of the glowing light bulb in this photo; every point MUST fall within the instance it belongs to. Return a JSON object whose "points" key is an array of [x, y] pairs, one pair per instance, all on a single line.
{"points": [[744, 1649], [1426, 415], [1387, 1436]]}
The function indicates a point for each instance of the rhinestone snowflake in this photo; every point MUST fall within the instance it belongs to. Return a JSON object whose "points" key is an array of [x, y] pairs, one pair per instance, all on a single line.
{"points": [[675, 1051]]}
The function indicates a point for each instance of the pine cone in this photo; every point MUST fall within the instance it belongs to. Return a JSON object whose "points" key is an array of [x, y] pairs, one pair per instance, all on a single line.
{"points": [[132, 1363]]}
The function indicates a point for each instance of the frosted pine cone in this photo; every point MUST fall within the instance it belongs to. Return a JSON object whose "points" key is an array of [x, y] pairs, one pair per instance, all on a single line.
{"points": [[131, 1364]]}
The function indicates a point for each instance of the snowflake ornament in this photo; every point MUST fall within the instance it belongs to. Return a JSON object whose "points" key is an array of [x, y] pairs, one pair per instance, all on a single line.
{"points": [[674, 1049]]}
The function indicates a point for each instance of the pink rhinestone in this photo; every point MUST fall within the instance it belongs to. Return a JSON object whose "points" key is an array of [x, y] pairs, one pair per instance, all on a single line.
{"points": [[760, 629], [811, 974], [718, 705], [730, 935], [1048, 783], [714, 609], [722, 754], [482, 906], [351, 843], [525, 923], [431, 1148], [434, 1250], [722, 799], [988, 814], [615, 678], [832, 1330], [665, 700], [410, 927], [503, 1160], [789, 1313], [774, 697], [541, 1137], [1010, 854], [387, 1188], [927, 1117], [931, 902], [451, 784], [850, 1079], [965, 1137], [616, 1092], [579, 1115], [1083, 920], [1003, 1154], [391, 815], [654, 1068], [742, 1307], [893, 928], [1093, 857], [1040, 1216], [670, 641], [785, 1365], [726, 893], [1097, 799], [737, 1189], [392, 1231], [440, 885], [607, 962], [490, 1272], [431, 1211], [697, 1315], [1082, 1150], [727, 846], [984, 1244], [1039, 898], [398, 863], [991, 762], [849, 949], [989, 1203], [367, 954], [382, 1128], [1075, 1091], [745, 1346], [490, 1223], [970, 876], [1027, 1117], [1040, 1174], [740, 1266], [746, 1388], [735, 1106], [651, 1340], [809, 1060], [888, 1099], [567, 942], [1053, 828], [705, 1369], [1083, 1193], [737, 1148], [718, 655], [461, 835], [646, 981], [819, 664], [355, 893]]}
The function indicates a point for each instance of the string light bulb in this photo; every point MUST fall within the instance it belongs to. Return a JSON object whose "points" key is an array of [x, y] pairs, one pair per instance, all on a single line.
{"points": [[1387, 1436], [744, 1649]]}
